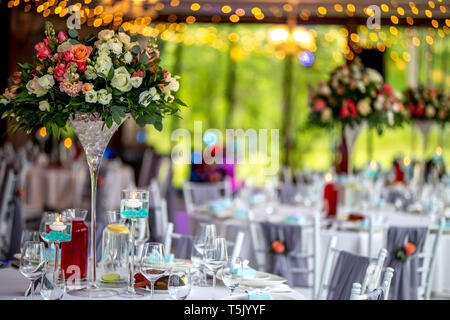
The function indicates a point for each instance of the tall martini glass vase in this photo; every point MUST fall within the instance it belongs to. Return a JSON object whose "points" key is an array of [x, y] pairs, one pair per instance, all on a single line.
{"points": [[94, 136], [351, 133]]}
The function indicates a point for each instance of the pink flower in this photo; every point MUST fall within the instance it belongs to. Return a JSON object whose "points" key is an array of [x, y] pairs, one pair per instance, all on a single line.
{"points": [[71, 87], [387, 88], [319, 104], [10, 92], [60, 70], [62, 36], [348, 108], [86, 87], [46, 40], [81, 66], [138, 73], [39, 46], [68, 55], [43, 53]]}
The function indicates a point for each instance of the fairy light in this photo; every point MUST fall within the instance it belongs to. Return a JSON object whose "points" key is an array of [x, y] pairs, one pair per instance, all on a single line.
{"points": [[43, 132], [67, 143], [226, 9], [195, 7], [338, 8]]}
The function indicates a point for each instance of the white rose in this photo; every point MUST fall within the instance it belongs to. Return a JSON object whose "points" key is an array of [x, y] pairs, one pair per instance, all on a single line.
{"points": [[155, 96], [90, 75], [65, 46], [103, 49], [46, 81], [34, 87], [173, 83], [116, 47], [44, 105], [136, 82], [91, 96], [121, 80], [124, 38], [103, 96], [430, 111], [145, 98], [364, 107], [103, 65], [128, 57], [325, 90], [106, 34], [325, 115]]}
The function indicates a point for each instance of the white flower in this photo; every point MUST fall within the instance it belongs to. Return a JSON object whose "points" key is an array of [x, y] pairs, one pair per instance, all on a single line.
{"points": [[4, 101], [103, 65], [374, 75], [103, 96], [145, 98], [116, 47], [90, 74], [173, 83], [121, 80], [46, 81], [124, 38], [65, 46], [155, 96], [91, 96], [364, 107], [324, 90], [44, 105], [106, 34], [326, 114], [136, 82], [430, 111], [34, 87], [103, 49], [128, 57], [390, 117], [378, 104]]}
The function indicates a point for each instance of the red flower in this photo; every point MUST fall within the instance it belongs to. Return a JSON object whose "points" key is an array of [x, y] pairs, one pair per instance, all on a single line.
{"points": [[420, 110], [410, 248], [348, 108], [138, 73], [43, 53], [319, 104], [81, 66], [411, 108], [387, 88], [68, 55], [46, 40], [39, 46], [62, 36], [60, 70], [278, 246]]}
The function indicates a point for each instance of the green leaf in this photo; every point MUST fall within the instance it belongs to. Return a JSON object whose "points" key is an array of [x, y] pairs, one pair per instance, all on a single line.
{"points": [[136, 49], [141, 122], [55, 130], [121, 29], [119, 110], [158, 125], [133, 38], [109, 122], [73, 33], [110, 74], [116, 118], [143, 58], [181, 103], [74, 41]]}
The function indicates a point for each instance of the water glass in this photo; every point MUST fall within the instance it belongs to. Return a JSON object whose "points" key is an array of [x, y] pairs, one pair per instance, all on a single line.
{"points": [[53, 285], [232, 273], [216, 256], [33, 262], [29, 235], [205, 234], [179, 284], [153, 263]]}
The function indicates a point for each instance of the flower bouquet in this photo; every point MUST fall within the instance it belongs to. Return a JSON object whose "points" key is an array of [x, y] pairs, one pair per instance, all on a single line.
{"points": [[92, 85]]}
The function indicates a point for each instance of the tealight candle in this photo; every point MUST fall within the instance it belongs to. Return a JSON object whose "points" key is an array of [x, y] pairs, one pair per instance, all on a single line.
{"points": [[58, 225], [133, 203]]}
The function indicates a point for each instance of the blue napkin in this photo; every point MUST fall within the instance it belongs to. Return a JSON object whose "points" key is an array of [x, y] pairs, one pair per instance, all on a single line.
{"points": [[257, 198], [258, 294], [240, 213], [170, 257], [247, 272], [295, 219], [220, 204]]}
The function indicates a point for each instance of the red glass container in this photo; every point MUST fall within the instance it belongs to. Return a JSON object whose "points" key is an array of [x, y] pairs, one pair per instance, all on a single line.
{"points": [[330, 198]]}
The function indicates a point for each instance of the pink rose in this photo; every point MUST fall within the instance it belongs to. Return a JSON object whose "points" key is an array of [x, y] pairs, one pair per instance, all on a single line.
{"points": [[43, 53], [348, 108], [46, 40], [81, 65], [62, 36], [60, 70], [319, 104], [387, 88], [39, 46], [68, 55]]}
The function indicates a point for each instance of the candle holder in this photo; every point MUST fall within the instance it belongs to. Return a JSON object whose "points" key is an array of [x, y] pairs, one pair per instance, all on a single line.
{"points": [[57, 228], [133, 206]]}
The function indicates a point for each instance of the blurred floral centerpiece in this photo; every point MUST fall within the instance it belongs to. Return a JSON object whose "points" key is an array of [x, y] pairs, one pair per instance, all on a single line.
{"points": [[109, 75], [427, 103], [354, 95]]}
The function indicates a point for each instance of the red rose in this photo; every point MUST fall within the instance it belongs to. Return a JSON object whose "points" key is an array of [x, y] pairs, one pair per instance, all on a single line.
{"points": [[62, 36], [39, 46], [420, 110], [68, 55], [410, 248], [411, 108], [387, 88], [278, 246], [81, 66], [43, 53]]}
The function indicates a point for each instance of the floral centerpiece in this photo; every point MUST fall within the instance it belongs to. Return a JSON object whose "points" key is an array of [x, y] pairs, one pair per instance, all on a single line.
{"points": [[93, 85], [109, 74]]}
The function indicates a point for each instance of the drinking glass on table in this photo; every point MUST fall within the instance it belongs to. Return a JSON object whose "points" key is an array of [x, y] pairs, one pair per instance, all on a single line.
{"points": [[153, 263], [216, 256], [232, 273], [29, 235], [179, 284], [205, 234], [33, 262], [53, 285]]}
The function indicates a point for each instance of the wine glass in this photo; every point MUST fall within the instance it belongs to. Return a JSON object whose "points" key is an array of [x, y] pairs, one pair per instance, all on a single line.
{"points": [[153, 263], [216, 256], [33, 262], [179, 284], [53, 285], [232, 273], [205, 234], [29, 235]]}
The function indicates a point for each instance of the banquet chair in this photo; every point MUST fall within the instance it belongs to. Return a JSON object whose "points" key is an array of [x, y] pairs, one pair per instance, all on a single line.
{"points": [[380, 293], [6, 208], [144, 172], [261, 249], [159, 220], [199, 193], [427, 241], [348, 265]]}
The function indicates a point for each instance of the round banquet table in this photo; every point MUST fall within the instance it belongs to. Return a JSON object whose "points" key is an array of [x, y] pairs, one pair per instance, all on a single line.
{"points": [[353, 241], [14, 284]]}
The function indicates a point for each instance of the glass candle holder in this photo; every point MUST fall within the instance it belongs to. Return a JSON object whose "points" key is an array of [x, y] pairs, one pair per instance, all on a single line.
{"points": [[133, 205]]}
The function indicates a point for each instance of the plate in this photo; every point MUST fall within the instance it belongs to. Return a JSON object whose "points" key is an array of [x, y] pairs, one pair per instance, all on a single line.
{"points": [[272, 280], [275, 296]]}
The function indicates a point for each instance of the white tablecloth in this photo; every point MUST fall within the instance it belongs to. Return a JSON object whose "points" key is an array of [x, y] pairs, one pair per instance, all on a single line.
{"points": [[352, 241], [13, 285]]}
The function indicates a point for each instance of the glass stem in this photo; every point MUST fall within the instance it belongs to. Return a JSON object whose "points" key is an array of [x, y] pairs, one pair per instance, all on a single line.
{"points": [[92, 272], [214, 279], [152, 288], [32, 289], [56, 256], [131, 264]]}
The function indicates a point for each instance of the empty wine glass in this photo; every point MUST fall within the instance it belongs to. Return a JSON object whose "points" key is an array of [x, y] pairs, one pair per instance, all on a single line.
{"points": [[216, 256], [205, 234], [33, 262], [153, 263], [179, 284], [53, 285], [29, 235], [232, 273]]}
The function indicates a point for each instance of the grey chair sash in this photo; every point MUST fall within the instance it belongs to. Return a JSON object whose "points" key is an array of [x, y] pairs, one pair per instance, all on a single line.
{"points": [[406, 279], [377, 294], [287, 192], [183, 247], [281, 264], [17, 227], [349, 268], [205, 192]]}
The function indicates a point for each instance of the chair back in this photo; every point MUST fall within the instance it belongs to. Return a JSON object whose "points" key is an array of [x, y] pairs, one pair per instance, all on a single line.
{"points": [[145, 170], [7, 210], [159, 220], [199, 193], [380, 293], [307, 262]]}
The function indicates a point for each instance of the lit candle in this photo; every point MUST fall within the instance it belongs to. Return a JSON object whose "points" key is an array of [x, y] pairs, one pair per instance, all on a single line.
{"points": [[58, 225], [133, 202]]}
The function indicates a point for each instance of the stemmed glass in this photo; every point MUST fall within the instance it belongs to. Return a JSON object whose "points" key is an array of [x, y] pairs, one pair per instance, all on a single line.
{"points": [[153, 263], [216, 256], [133, 205], [232, 273], [33, 262], [28, 235], [179, 284], [55, 288], [205, 234]]}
